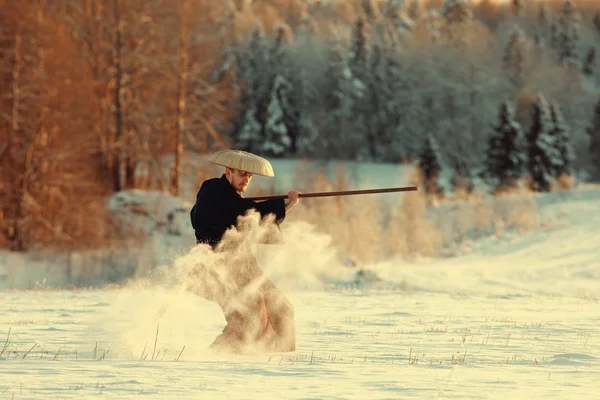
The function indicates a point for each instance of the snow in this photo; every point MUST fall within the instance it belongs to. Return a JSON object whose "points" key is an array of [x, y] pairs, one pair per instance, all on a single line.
{"points": [[514, 316]]}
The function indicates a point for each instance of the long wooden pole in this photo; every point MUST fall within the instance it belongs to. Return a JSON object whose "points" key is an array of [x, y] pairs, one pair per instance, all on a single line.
{"points": [[342, 193]]}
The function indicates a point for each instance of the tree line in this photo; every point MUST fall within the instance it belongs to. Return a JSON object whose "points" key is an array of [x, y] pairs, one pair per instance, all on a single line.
{"points": [[393, 89], [103, 95]]}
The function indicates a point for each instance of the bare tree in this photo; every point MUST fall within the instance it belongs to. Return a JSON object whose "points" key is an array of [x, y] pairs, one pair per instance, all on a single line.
{"points": [[183, 55]]}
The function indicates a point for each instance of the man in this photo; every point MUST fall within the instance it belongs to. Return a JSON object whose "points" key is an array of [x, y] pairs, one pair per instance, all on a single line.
{"points": [[257, 313]]}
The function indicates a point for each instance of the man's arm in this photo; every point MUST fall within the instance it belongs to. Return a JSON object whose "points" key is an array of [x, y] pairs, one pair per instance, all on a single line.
{"points": [[292, 199]]}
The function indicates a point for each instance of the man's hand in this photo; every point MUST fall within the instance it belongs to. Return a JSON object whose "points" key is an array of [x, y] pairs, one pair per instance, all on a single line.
{"points": [[292, 199]]}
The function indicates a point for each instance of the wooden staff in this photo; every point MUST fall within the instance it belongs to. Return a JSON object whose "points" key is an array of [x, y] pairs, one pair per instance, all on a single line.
{"points": [[342, 193]]}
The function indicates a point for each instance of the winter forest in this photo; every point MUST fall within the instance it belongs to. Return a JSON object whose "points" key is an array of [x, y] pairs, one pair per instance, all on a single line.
{"points": [[98, 96]]}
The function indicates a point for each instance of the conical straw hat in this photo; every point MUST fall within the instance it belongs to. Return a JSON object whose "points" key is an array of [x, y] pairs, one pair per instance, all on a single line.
{"points": [[244, 161]]}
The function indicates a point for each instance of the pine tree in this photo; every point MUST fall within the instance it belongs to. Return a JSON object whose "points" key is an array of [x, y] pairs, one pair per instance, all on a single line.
{"points": [[541, 148], [430, 165], [358, 92], [562, 142], [276, 140], [594, 133], [513, 58], [589, 66], [248, 133], [506, 156], [341, 138], [281, 125]]}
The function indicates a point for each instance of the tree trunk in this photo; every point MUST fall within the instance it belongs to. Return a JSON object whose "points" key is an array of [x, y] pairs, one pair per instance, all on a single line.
{"points": [[130, 162], [14, 233], [181, 97], [118, 111]]}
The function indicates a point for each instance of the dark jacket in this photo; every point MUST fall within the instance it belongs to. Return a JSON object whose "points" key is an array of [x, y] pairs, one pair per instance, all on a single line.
{"points": [[218, 206]]}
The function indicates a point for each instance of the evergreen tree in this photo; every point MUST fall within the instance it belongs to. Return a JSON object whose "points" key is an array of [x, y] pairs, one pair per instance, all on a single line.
{"points": [[341, 137], [541, 147], [358, 93], [513, 58], [249, 135], [397, 137], [589, 66], [378, 108], [506, 153], [281, 124], [562, 142], [253, 65], [430, 164], [276, 140], [594, 133]]}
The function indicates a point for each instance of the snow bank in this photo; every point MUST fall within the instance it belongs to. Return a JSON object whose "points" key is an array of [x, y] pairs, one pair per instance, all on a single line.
{"points": [[161, 218]]}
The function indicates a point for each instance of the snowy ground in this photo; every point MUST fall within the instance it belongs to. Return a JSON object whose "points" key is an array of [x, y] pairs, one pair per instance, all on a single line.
{"points": [[512, 318]]}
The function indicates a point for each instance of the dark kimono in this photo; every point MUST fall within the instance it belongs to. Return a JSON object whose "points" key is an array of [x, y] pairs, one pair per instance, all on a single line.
{"points": [[218, 206]]}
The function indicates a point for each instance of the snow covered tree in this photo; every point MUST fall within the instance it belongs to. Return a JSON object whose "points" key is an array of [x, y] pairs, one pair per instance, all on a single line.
{"points": [[589, 65], [358, 92], [400, 134], [377, 107], [431, 165], [282, 116], [514, 59], [562, 142], [594, 134], [276, 140], [506, 156], [541, 147], [341, 138], [248, 134]]}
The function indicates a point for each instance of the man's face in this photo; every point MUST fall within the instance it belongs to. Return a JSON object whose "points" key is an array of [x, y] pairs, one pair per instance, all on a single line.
{"points": [[238, 179]]}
